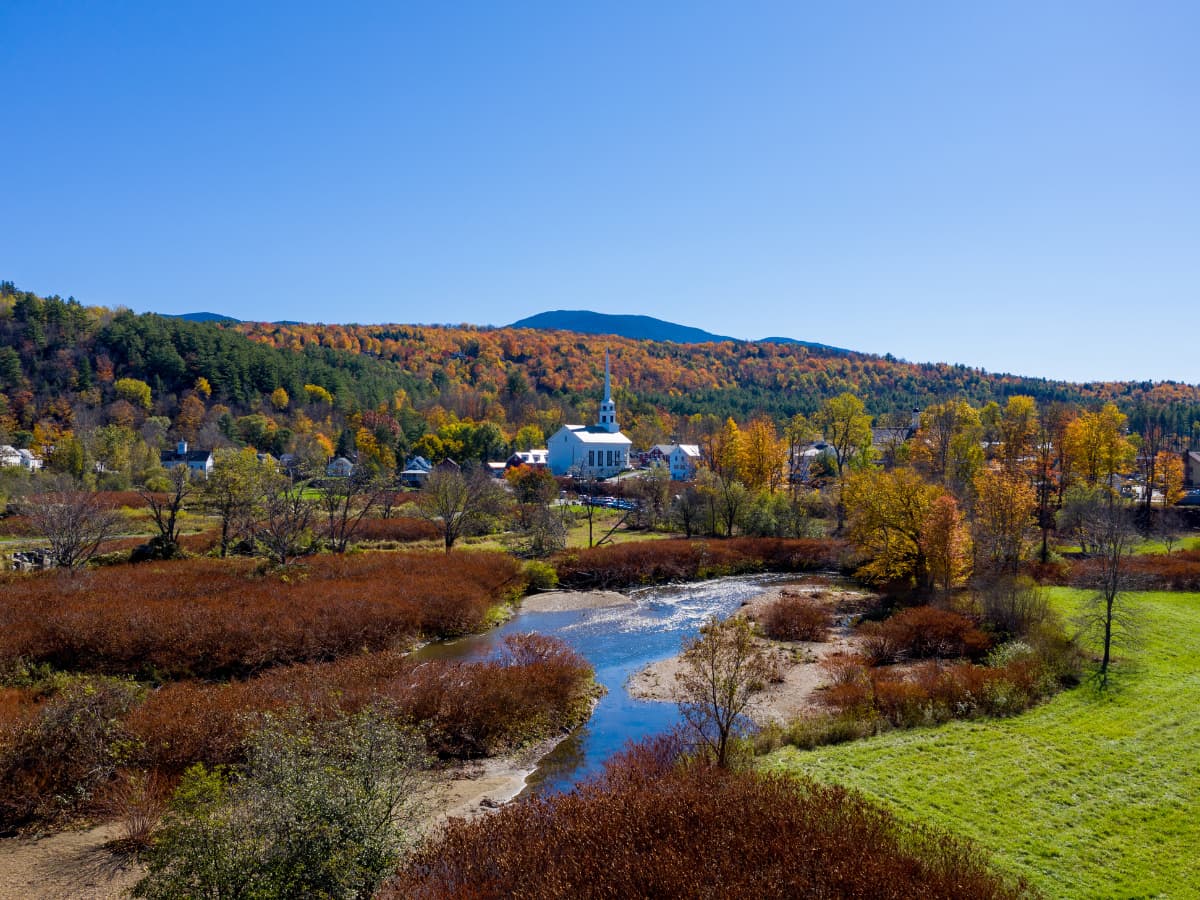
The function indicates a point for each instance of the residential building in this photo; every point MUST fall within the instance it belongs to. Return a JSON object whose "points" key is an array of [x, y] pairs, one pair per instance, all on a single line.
{"points": [[200, 462]]}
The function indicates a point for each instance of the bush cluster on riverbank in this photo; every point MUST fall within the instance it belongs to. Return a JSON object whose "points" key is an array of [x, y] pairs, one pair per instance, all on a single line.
{"points": [[221, 618], [57, 752], [227, 642], [655, 826], [660, 562]]}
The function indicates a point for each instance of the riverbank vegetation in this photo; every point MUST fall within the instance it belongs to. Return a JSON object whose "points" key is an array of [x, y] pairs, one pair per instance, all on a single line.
{"points": [[658, 825]]}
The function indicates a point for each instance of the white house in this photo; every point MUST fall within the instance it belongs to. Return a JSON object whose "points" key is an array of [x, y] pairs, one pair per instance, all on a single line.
{"points": [[683, 459], [591, 451], [198, 461], [9, 456], [340, 468]]}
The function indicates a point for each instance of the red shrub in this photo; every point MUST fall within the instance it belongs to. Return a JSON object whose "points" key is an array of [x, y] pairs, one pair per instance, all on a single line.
{"points": [[537, 687], [215, 618], [921, 632], [655, 562], [653, 829], [794, 617], [400, 529]]}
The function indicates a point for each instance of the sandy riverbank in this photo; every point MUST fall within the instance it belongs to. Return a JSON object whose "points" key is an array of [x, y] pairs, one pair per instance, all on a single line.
{"points": [[563, 601], [798, 662]]}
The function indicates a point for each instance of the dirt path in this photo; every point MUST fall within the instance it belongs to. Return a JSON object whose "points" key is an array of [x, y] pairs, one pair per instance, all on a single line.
{"points": [[71, 865]]}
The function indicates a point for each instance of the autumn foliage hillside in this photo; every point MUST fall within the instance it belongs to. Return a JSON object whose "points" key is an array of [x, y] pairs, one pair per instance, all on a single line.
{"points": [[741, 378]]}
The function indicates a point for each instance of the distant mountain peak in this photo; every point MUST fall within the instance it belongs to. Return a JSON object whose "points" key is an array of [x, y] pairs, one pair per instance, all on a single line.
{"points": [[204, 317], [637, 327], [641, 328]]}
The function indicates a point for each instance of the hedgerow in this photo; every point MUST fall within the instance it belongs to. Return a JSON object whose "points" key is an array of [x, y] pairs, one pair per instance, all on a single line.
{"points": [[222, 618], [655, 562], [653, 826]]}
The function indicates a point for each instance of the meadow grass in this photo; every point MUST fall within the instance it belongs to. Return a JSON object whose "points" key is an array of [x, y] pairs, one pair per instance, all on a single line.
{"points": [[1088, 795]]}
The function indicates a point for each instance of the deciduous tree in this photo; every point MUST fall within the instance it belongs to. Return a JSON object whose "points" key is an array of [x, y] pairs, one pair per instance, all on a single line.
{"points": [[720, 670]]}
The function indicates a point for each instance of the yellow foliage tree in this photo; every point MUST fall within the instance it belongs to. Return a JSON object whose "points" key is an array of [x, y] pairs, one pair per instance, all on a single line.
{"points": [[762, 456], [946, 544], [1004, 506], [1168, 477], [280, 399], [886, 517]]}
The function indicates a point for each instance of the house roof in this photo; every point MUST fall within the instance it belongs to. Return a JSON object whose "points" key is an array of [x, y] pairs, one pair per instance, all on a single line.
{"points": [[591, 434], [688, 450], [191, 456]]}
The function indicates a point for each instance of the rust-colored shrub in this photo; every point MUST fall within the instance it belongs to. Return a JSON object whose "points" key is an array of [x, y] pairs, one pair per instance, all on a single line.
{"points": [[922, 632], [220, 618], [653, 827], [656, 562], [52, 762], [401, 529], [537, 687], [794, 617], [932, 692]]}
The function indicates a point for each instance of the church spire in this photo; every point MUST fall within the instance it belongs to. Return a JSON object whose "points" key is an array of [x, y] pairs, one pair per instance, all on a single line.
{"points": [[608, 409]]}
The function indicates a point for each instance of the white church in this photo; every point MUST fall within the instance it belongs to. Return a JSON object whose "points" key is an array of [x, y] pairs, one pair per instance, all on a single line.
{"points": [[592, 451]]}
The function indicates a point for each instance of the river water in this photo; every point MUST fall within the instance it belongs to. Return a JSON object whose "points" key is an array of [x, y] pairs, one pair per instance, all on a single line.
{"points": [[617, 641]]}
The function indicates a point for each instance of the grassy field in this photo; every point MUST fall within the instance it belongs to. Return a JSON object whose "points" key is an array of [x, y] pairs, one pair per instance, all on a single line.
{"points": [[1087, 796]]}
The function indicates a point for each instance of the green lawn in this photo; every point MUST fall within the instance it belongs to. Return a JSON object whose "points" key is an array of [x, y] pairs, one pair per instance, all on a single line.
{"points": [[1086, 796]]}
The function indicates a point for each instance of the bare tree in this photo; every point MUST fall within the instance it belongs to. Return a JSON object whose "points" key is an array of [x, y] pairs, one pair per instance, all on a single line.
{"points": [[344, 503], [1107, 617], [165, 507], [721, 669], [286, 528], [460, 502], [74, 522]]}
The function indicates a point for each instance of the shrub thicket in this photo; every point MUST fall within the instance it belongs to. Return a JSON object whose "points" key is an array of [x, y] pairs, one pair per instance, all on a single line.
{"points": [[538, 687], [795, 617], [221, 618], [653, 827], [922, 632], [319, 812], [54, 757], [656, 562]]}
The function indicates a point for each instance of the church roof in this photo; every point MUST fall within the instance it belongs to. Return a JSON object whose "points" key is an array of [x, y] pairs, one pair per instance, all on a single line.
{"points": [[594, 434]]}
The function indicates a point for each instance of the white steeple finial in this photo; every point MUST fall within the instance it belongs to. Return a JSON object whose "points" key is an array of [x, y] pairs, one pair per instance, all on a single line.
{"points": [[608, 409]]}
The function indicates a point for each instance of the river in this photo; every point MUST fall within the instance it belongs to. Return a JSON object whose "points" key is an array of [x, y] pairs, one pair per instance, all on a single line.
{"points": [[617, 641]]}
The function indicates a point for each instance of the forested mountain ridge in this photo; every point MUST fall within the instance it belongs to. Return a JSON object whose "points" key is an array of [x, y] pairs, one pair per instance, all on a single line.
{"points": [[105, 389], [474, 367]]}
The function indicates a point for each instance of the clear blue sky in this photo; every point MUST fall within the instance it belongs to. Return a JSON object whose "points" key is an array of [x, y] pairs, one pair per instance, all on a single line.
{"points": [[1010, 185]]}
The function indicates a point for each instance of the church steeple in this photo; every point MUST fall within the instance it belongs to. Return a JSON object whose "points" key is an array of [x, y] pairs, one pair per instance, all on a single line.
{"points": [[608, 409]]}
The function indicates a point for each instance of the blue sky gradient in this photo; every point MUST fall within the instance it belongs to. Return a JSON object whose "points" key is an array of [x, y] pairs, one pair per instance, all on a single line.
{"points": [[1013, 185]]}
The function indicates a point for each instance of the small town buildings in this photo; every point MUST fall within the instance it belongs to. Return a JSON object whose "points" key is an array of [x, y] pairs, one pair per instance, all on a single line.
{"points": [[537, 459], [592, 451], [200, 462], [416, 471], [339, 468], [9, 456], [683, 460], [1191, 469]]}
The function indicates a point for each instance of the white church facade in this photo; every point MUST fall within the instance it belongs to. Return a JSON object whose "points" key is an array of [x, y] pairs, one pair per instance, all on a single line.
{"points": [[592, 451]]}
